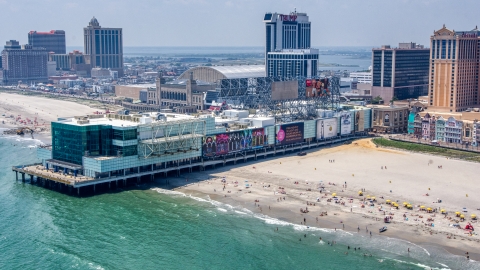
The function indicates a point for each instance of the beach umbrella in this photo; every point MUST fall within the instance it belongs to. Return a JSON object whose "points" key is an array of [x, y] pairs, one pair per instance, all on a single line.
{"points": [[373, 198], [473, 216], [388, 201], [443, 211], [405, 203], [334, 194], [409, 206], [457, 213], [462, 216], [368, 196], [422, 207]]}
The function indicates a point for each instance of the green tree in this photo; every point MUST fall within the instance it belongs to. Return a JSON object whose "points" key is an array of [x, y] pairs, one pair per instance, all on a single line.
{"points": [[376, 100]]}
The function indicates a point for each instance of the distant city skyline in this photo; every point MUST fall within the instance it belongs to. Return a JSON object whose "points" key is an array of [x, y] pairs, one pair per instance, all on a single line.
{"points": [[239, 23]]}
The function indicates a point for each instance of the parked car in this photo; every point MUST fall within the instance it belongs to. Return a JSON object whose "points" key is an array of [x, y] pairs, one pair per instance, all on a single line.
{"points": [[302, 154]]}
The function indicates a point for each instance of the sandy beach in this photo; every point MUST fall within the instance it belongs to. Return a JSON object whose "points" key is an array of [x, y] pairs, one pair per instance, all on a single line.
{"points": [[45, 110], [405, 177], [279, 187]]}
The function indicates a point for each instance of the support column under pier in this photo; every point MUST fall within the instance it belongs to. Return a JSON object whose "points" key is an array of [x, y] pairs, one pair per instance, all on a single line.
{"points": [[16, 175], [23, 177]]}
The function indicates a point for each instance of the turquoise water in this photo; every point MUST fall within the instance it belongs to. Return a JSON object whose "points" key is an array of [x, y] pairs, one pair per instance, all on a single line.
{"points": [[156, 229]]}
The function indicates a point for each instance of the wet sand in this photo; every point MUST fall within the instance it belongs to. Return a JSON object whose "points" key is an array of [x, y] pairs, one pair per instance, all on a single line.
{"points": [[408, 175]]}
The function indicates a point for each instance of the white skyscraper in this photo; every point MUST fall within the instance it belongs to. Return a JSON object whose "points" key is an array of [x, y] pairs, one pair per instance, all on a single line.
{"points": [[287, 46]]}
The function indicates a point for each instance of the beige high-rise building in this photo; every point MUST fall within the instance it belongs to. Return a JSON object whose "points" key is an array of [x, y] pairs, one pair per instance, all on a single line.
{"points": [[454, 67], [104, 45]]}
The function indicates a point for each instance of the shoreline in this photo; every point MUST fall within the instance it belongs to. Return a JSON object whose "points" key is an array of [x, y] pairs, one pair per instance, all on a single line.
{"points": [[297, 195], [42, 109], [333, 222]]}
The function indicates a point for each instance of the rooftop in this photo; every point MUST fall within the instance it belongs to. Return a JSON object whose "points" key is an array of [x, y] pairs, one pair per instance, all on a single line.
{"points": [[125, 121], [213, 73], [296, 51]]}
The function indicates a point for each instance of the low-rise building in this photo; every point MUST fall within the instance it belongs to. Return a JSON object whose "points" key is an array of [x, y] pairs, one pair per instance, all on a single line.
{"points": [[390, 119], [440, 129]]}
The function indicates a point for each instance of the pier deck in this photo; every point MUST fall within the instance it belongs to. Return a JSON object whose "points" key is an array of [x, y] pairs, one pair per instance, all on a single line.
{"points": [[47, 177]]}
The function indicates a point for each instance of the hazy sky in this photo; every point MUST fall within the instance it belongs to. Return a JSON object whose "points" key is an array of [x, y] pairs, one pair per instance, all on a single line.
{"points": [[239, 22]]}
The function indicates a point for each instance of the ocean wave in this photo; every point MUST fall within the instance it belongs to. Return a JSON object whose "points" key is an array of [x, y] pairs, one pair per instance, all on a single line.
{"points": [[386, 247]]}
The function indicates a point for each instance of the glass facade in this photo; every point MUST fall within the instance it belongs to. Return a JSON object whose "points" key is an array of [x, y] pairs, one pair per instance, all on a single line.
{"points": [[71, 142], [387, 68], [124, 135], [105, 45], [404, 70], [53, 41], [291, 65], [377, 68]]}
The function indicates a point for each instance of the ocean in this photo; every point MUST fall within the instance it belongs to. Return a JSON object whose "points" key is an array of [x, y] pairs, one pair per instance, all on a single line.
{"points": [[330, 58], [152, 228]]}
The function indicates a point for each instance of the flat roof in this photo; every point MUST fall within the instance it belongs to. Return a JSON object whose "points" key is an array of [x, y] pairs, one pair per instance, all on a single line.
{"points": [[146, 85], [171, 117]]}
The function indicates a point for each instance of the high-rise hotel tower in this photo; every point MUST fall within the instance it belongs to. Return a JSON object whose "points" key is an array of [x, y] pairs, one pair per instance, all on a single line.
{"points": [[104, 45], [454, 68], [287, 46]]}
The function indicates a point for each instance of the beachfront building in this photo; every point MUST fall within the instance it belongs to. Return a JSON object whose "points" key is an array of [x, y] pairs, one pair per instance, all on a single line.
{"points": [[440, 129], [428, 127], [115, 146], [454, 83], [390, 119], [417, 126], [23, 63], [99, 146], [453, 130], [400, 73], [446, 127], [476, 133]]}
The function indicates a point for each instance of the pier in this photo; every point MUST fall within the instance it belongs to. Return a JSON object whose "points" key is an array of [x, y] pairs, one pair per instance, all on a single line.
{"points": [[78, 185]]}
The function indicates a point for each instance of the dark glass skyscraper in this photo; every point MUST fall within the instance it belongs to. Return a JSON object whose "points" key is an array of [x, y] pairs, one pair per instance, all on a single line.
{"points": [[104, 45], [400, 72], [53, 41]]}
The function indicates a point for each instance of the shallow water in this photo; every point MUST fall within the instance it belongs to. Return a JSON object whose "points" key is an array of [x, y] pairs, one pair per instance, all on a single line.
{"points": [[155, 229]]}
